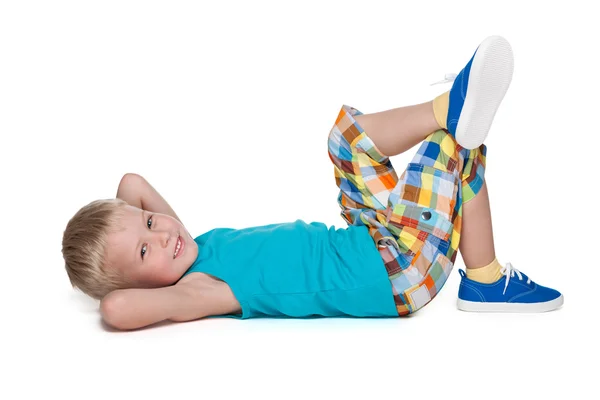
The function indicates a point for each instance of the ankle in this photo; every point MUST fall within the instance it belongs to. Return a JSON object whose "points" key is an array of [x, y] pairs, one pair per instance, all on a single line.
{"points": [[439, 106], [487, 274]]}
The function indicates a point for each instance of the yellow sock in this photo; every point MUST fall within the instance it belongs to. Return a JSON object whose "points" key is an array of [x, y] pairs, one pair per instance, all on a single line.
{"points": [[440, 109], [488, 274]]}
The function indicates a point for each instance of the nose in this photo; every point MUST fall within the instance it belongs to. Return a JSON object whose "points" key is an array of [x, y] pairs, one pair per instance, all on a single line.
{"points": [[163, 238]]}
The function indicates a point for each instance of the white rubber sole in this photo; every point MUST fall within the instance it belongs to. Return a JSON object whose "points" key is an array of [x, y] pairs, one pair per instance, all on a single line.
{"points": [[489, 79], [476, 306]]}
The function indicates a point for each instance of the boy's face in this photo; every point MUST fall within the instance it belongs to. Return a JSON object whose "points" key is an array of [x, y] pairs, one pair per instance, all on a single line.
{"points": [[143, 251]]}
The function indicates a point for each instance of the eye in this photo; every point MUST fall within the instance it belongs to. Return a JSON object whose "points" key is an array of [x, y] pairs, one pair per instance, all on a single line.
{"points": [[149, 225]]}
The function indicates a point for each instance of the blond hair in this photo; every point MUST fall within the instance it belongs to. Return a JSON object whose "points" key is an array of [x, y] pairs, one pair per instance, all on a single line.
{"points": [[84, 247]]}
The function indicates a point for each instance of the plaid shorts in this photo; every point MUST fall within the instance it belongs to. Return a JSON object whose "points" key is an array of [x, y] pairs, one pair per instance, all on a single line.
{"points": [[415, 221]]}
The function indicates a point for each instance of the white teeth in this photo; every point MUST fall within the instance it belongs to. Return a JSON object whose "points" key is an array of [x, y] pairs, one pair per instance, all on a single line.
{"points": [[177, 248]]}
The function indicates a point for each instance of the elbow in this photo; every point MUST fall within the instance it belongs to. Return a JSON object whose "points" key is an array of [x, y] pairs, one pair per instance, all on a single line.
{"points": [[112, 309], [130, 178], [131, 175]]}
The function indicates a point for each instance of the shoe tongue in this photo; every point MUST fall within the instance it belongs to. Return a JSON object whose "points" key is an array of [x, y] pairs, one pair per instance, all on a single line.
{"points": [[450, 77]]}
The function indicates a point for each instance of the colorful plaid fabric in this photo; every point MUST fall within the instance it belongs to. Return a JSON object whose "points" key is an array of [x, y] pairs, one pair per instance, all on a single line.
{"points": [[415, 220]]}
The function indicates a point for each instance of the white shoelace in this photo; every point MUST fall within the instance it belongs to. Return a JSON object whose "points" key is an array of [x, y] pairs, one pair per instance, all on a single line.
{"points": [[450, 77], [510, 272]]}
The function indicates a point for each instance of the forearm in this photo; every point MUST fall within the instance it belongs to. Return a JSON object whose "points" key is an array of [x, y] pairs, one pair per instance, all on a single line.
{"points": [[138, 192], [136, 308], [195, 296]]}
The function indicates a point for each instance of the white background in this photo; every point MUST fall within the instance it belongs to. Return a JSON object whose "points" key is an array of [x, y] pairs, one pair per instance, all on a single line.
{"points": [[225, 108]]}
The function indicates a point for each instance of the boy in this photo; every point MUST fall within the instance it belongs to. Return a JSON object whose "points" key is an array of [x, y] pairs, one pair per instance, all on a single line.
{"points": [[401, 242]]}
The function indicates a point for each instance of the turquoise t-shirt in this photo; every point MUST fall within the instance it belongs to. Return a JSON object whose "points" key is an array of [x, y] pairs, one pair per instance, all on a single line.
{"points": [[299, 270]]}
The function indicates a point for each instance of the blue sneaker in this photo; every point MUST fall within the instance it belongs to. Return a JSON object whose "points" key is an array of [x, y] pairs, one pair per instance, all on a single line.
{"points": [[478, 90], [516, 293]]}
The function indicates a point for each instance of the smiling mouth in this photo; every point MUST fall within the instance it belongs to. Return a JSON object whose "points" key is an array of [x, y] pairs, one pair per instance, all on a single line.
{"points": [[178, 247]]}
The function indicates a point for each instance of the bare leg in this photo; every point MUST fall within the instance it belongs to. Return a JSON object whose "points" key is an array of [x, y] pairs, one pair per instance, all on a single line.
{"points": [[397, 130], [477, 241]]}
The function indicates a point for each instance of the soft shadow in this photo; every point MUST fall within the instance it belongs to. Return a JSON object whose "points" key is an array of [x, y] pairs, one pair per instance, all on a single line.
{"points": [[84, 302], [309, 321], [108, 328]]}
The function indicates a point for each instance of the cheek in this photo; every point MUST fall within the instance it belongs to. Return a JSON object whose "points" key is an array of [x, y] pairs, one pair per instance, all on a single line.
{"points": [[166, 270], [159, 270]]}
